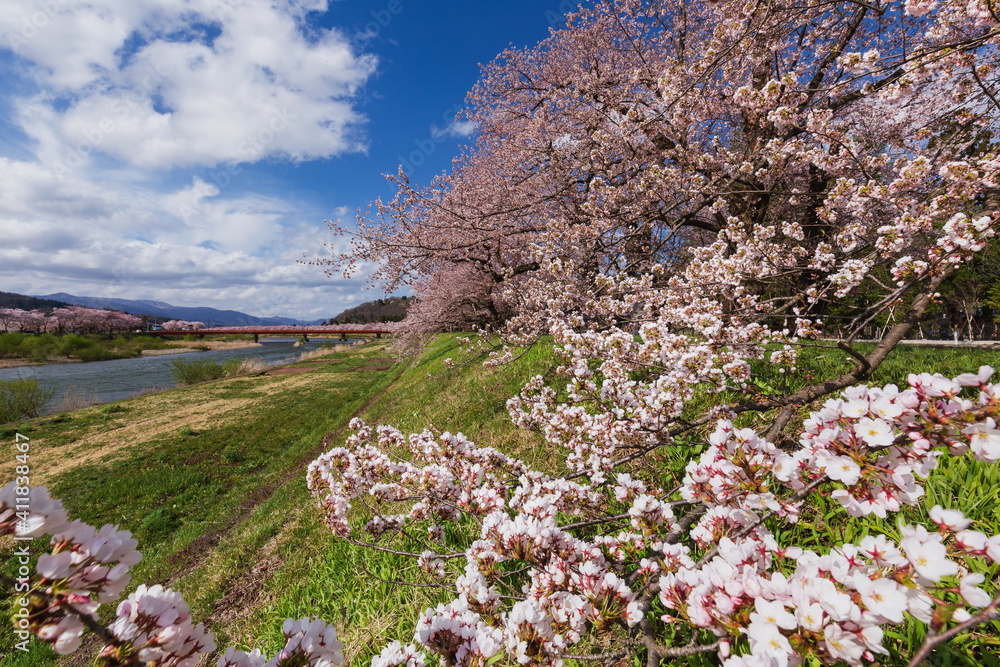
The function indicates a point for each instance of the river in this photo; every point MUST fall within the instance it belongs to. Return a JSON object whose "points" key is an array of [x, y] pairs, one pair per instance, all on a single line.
{"points": [[106, 381]]}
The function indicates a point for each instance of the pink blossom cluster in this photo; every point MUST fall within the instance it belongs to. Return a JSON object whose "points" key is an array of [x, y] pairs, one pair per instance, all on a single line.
{"points": [[455, 475], [399, 655], [308, 643], [87, 568], [72, 319], [153, 626], [184, 325]]}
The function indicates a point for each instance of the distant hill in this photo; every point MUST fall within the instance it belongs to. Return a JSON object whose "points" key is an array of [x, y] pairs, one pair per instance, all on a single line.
{"points": [[24, 302], [391, 309], [210, 316]]}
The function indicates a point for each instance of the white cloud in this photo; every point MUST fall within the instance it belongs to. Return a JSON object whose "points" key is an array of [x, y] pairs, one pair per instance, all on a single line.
{"points": [[111, 238], [122, 98], [457, 129], [174, 83]]}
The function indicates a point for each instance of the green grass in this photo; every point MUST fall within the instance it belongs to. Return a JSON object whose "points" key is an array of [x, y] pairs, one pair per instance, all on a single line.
{"points": [[188, 484], [827, 361], [217, 496]]}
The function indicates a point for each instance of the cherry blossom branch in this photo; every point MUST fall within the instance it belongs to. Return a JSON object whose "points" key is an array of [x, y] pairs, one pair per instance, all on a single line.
{"points": [[92, 624], [797, 497], [933, 639], [874, 360]]}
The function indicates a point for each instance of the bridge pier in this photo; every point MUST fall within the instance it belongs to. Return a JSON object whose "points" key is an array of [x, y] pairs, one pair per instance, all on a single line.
{"points": [[378, 335], [343, 336], [305, 338], [256, 338]]}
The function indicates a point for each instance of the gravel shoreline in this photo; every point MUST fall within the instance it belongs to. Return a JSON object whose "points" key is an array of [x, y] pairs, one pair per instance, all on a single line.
{"points": [[158, 353], [18, 363]]}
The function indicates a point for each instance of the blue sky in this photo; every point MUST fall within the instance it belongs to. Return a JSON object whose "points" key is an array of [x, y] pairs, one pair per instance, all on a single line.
{"points": [[188, 151]]}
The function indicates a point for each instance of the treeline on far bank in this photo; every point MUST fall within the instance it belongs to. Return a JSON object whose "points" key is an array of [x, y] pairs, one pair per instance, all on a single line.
{"points": [[44, 347]]}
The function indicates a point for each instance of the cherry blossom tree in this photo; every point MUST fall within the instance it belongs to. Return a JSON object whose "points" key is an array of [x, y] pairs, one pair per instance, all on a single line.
{"points": [[177, 325], [79, 319], [10, 319], [460, 297], [649, 128], [35, 321], [74, 319], [674, 190]]}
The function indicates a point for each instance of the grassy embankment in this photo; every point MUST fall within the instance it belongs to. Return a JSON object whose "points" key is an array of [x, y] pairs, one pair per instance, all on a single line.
{"points": [[210, 479]]}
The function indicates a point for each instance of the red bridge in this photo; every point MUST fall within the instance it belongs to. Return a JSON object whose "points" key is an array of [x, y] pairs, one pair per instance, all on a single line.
{"points": [[342, 330]]}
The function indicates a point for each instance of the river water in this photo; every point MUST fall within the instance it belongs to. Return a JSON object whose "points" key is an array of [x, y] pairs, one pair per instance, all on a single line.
{"points": [[106, 381]]}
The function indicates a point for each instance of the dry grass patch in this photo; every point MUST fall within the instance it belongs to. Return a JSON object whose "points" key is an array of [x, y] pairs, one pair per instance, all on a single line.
{"points": [[149, 418], [160, 353], [49, 462]]}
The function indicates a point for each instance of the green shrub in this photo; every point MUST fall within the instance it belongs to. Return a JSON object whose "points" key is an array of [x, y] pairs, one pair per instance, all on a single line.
{"points": [[160, 520], [199, 370], [233, 367], [21, 399], [233, 455], [10, 344], [96, 354], [190, 372], [90, 347], [73, 343]]}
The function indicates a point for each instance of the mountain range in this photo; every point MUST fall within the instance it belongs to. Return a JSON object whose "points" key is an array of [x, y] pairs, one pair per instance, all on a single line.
{"points": [[210, 316]]}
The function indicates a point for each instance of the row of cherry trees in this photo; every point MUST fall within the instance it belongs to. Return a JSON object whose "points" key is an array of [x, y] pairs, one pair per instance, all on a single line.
{"points": [[674, 190], [650, 137], [180, 325], [75, 319]]}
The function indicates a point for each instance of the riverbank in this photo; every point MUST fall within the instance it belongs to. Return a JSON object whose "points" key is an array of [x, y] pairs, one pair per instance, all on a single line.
{"points": [[18, 363], [160, 353], [19, 350], [257, 551], [215, 344], [31, 348], [185, 346], [117, 379]]}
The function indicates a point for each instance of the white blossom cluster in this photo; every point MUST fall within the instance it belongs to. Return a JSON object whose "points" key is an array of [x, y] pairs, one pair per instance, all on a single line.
{"points": [[726, 572]]}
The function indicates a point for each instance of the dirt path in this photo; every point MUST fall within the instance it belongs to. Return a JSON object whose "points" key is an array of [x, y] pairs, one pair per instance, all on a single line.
{"points": [[246, 591]]}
